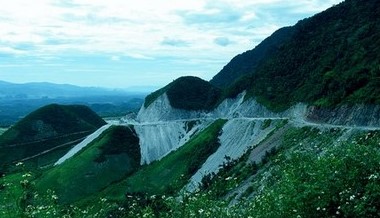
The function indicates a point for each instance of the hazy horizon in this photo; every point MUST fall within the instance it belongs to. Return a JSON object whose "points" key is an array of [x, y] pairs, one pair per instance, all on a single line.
{"points": [[121, 44]]}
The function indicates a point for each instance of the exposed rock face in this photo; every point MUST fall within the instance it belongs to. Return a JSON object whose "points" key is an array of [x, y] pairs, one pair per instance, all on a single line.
{"points": [[238, 107], [237, 136], [358, 115], [83, 144], [162, 128], [158, 139], [161, 110]]}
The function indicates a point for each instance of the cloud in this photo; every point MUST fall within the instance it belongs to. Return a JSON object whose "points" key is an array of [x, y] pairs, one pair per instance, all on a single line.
{"points": [[175, 42], [212, 16], [10, 52], [139, 56], [26, 46], [162, 34], [115, 58], [66, 3], [222, 41]]}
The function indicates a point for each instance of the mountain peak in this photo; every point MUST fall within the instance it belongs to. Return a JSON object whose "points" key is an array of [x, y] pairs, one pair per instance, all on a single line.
{"points": [[189, 93]]}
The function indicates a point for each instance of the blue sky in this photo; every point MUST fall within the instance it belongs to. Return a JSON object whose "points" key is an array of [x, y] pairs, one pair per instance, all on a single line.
{"points": [[123, 43]]}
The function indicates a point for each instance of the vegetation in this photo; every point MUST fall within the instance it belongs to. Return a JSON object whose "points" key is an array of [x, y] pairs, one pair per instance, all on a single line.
{"points": [[266, 124], [313, 174], [249, 61], [114, 155], [331, 58], [327, 60], [55, 127], [189, 93], [332, 181], [172, 172], [52, 120]]}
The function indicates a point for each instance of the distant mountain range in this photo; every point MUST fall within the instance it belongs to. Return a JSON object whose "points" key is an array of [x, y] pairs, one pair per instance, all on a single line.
{"points": [[50, 90], [17, 100]]}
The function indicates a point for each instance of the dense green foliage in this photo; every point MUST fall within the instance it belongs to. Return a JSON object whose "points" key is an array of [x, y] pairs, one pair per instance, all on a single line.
{"points": [[331, 58], [248, 61], [52, 126], [114, 155], [189, 93], [317, 173]]}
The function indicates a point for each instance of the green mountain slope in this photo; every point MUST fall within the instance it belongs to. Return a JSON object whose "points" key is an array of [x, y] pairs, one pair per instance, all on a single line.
{"points": [[331, 58], [46, 128], [190, 93], [171, 173], [249, 61], [114, 155]]}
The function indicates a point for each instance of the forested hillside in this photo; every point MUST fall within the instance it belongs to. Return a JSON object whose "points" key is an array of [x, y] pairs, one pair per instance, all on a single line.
{"points": [[249, 61], [190, 93], [332, 58]]}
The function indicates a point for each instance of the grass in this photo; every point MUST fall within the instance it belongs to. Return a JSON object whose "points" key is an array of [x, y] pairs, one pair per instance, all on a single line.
{"points": [[50, 121], [307, 177], [171, 173], [10, 194], [312, 178], [21, 152], [266, 124], [115, 154], [46, 128]]}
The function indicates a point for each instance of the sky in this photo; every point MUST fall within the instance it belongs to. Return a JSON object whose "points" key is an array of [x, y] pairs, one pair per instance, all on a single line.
{"points": [[127, 43]]}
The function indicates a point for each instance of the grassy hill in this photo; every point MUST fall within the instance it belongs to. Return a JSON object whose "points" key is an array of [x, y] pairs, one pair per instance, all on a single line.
{"points": [[47, 128], [331, 58], [113, 156], [171, 173], [189, 93]]}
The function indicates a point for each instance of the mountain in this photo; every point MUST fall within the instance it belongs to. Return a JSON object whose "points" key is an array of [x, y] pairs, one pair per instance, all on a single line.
{"points": [[264, 145], [112, 156], [47, 128], [330, 59], [189, 93], [18, 100], [50, 90], [249, 61]]}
